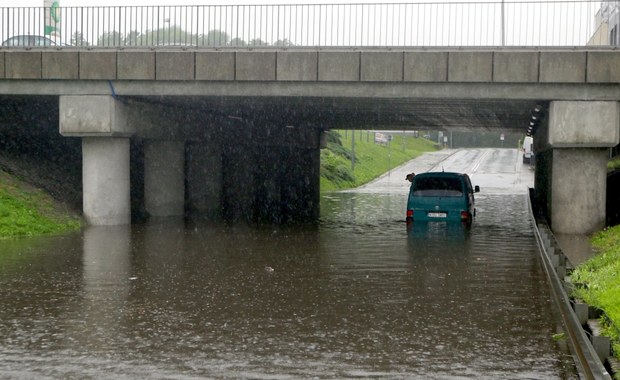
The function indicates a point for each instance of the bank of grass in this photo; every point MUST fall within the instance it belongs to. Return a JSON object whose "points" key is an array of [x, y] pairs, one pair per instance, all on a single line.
{"points": [[371, 159], [598, 282], [614, 163], [28, 211]]}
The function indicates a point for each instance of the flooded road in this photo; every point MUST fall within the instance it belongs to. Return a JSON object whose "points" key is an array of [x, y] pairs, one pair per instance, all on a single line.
{"points": [[357, 296]]}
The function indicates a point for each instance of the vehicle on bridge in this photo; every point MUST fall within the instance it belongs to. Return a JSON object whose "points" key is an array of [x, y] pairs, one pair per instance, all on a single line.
{"points": [[441, 196], [29, 40]]}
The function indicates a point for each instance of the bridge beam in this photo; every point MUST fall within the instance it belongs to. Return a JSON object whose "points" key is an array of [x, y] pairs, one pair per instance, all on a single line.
{"points": [[578, 134]]}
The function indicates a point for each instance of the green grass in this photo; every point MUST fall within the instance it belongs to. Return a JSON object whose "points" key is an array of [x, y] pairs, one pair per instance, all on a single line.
{"points": [[26, 211], [598, 281], [371, 159], [614, 163]]}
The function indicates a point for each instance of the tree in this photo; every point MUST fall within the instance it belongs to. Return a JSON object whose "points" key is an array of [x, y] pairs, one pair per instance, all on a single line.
{"points": [[214, 38], [173, 35], [284, 42], [258, 42], [77, 39], [113, 38], [135, 38], [237, 42]]}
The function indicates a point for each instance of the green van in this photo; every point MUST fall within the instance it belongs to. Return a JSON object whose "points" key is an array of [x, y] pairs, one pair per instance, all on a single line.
{"points": [[441, 196]]}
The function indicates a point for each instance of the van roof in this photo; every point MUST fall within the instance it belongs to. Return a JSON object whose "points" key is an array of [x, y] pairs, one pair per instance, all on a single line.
{"points": [[440, 174]]}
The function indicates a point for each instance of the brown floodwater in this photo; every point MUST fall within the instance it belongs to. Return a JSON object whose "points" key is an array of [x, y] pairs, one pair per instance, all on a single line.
{"points": [[356, 296]]}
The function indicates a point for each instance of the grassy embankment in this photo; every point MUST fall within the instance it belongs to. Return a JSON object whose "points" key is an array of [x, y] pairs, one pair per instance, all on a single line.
{"points": [[598, 279], [371, 159], [27, 211], [614, 163]]}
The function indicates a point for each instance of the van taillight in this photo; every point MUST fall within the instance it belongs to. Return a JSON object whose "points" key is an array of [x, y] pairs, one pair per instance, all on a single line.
{"points": [[409, 215], [465, 215]]}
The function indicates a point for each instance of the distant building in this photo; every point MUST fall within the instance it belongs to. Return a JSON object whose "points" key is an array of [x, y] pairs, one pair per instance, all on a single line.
{"points": [[607, 21]]}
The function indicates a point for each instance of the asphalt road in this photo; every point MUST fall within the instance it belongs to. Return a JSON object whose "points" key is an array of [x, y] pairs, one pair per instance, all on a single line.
{"points": [[496, 171]]}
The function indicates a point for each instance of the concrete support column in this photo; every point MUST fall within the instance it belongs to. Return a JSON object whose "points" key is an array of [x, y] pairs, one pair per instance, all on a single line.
{"points": [[312, 184], [105, 177], [300, 192], [578, 134], [269, 179], [164, 178], [273, 180], [238, 192], [204, 179], [579, 180]]}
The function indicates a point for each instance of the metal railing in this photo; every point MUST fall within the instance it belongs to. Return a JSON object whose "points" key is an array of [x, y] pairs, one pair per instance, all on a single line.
{"points": [[414, 24]]}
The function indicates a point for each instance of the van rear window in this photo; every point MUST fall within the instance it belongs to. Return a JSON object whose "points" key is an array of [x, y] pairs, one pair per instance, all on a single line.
{"points": [[438, 187]]}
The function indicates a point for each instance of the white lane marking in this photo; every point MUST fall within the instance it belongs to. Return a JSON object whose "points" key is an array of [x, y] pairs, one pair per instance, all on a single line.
{"points": [[479, 162]]}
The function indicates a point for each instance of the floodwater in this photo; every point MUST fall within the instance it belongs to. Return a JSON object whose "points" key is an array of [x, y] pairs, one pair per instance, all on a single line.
{"points": [[357, 296]]}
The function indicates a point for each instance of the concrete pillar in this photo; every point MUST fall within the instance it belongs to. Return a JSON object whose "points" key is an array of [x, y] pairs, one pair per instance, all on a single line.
{"points": [[300, 192], [164, 178], [312, 183], [204, 179], [105, 178], [274, 178], [101, 121], [238, 192], [578, 134], [287, 184], [579, 180], [268, 179]]}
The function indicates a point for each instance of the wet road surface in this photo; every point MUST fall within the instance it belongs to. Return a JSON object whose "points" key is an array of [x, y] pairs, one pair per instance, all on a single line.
{"points": [[357, 296]]}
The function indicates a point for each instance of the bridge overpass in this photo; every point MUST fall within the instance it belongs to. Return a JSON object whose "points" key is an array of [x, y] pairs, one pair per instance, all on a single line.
{"points": [[247, 123], [232, 127]]}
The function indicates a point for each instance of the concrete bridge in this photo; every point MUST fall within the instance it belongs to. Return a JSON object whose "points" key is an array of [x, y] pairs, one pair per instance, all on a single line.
{"points": [[236, 133]]}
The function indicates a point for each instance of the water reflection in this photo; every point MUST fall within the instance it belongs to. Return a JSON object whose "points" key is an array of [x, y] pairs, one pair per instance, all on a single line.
{"points": [[356, 296], [106, 284], [448, 236]]}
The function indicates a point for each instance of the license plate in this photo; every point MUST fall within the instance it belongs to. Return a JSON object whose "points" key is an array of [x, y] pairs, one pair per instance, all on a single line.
{"points": [[437, 214]]}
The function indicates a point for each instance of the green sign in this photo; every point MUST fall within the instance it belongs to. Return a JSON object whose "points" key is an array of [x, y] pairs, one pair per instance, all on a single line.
{"points": [[52, 18]]}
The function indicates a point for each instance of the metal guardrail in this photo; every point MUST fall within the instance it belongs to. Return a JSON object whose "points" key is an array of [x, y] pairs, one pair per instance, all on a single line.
{"points": [[588, 364], [413, 24]]}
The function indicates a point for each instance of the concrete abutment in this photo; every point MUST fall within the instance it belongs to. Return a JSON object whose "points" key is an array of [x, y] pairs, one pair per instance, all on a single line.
{"points": [[572, 163]]}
